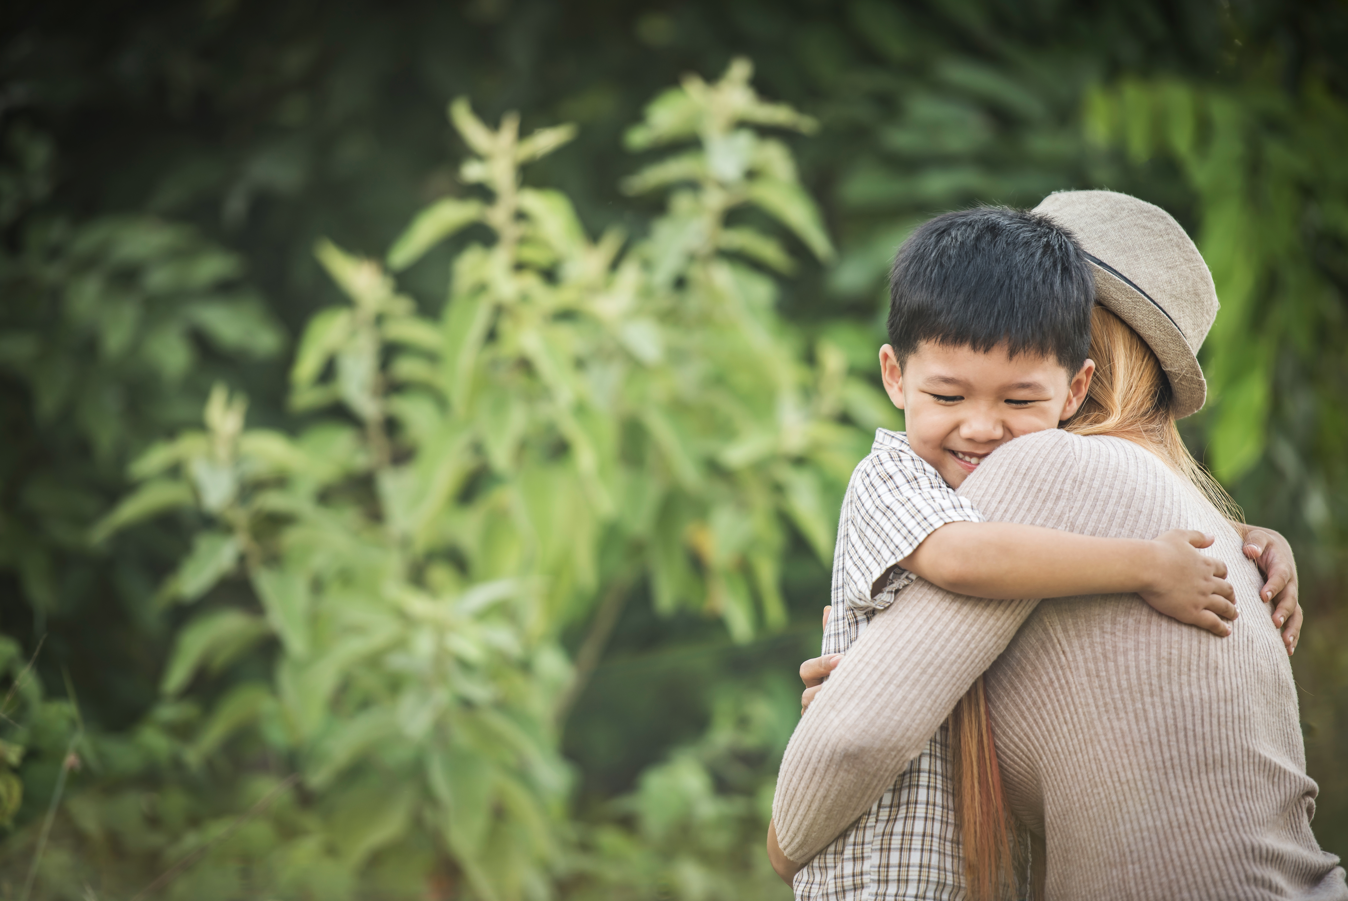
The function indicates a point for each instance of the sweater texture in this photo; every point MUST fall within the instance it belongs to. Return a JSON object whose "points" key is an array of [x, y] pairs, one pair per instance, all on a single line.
{"points": [[1149, 759]]}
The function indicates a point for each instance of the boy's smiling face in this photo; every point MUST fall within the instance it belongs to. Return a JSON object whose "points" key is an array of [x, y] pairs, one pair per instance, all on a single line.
{"points": [[961, 404]]}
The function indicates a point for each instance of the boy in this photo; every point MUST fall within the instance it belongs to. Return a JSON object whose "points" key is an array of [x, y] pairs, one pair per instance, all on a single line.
{"points": [[989, 327]]}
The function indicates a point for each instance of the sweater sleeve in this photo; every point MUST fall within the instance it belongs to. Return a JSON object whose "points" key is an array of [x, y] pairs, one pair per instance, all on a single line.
{"points": [[917, 658]]}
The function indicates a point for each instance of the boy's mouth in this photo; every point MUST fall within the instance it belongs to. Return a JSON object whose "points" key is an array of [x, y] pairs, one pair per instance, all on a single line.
{"points": [[969, 462]]}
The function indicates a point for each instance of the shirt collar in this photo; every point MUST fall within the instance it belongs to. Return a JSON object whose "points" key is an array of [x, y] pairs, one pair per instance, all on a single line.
{"points": [[885, 439]]}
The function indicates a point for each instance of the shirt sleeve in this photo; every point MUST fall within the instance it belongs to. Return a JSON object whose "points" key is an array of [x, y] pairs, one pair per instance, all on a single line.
{"points": [[915, 660], [898, 499]]}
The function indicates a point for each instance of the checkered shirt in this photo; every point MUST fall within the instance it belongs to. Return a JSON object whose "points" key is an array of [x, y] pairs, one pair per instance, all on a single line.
{"points": [[907, 845]]}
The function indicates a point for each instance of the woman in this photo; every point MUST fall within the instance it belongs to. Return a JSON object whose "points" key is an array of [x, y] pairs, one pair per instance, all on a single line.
{"points": [[1213, 799]]}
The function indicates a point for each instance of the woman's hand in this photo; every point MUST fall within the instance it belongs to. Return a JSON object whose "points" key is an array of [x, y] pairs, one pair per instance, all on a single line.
{"points": [[1273, 555], [815, 671]]}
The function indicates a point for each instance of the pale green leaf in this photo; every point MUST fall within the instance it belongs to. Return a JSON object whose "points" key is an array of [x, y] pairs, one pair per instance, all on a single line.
{"points": [[432, 225], [765, 569], [730, 593], [163, 455], [211, 640], [357, 375], [148, 500], [271, 452], [553, 216], [241, 707], [463, 780], [465, 325], [1238, 434], [324, 336], [684, 167], [756, 246], [361, 279], [475, 134], [792, 206], [642, 338], [671, 116], [217, 483], [369, 815], [213, 556], [728, 155], [346, 741], [673, 445], [542, 142], [285, 599], [805, 503], [412, 331]]}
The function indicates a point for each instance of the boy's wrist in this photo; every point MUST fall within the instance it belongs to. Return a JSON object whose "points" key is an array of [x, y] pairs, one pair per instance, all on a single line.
{"points": [[1150, 562]]}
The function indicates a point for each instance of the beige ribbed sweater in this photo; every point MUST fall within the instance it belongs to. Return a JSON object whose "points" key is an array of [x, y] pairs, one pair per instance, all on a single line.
{"points": [[1154, 760]]}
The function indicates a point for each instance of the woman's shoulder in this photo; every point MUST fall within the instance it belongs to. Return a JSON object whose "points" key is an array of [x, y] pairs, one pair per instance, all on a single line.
{"points": [[1066, 473], [1061, 448]]}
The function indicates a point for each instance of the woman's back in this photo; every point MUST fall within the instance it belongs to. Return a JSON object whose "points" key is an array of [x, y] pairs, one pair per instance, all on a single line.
{"points": [[1157, 760]]}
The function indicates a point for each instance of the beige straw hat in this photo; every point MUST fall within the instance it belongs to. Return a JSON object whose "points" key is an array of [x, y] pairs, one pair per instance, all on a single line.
{"points": [[1150, 275]]}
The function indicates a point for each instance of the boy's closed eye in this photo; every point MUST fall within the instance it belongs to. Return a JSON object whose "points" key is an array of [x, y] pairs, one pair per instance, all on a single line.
{"points": [[947, 398]]}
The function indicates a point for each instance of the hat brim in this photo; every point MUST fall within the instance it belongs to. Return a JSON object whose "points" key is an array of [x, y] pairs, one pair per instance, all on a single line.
{"points": [[1188, 387]]}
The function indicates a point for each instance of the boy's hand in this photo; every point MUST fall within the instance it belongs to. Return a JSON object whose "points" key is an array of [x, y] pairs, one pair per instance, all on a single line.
{"points": [[1188, 586], [1273, 555]]}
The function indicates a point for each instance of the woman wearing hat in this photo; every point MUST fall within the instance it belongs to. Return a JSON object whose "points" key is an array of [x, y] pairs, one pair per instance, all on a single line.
{"points": [[1145, 760]]}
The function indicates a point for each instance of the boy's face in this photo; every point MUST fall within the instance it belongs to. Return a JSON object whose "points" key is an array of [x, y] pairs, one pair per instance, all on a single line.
{"points": [[960, 404]]}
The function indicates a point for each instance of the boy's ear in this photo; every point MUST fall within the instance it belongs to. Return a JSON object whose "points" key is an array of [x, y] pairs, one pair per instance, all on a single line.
{"points": [[1077, 389], [891, 373]]}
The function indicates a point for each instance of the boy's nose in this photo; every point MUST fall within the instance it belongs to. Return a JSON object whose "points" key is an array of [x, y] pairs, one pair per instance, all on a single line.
{"points": [[981, 428]]}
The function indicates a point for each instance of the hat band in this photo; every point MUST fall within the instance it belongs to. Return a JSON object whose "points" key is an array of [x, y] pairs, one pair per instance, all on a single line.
{"points": [[1130, 283]]}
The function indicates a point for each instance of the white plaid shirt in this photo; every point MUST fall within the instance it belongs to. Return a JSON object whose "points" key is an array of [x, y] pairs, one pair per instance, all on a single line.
{"points": [[907, 845]]}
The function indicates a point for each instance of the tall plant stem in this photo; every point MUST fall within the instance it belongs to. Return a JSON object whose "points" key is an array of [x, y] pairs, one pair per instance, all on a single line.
{"points": [[66, 766]]}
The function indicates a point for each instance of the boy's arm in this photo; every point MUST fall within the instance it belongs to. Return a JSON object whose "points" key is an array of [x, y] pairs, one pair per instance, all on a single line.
{"points": [[1008, 561]]}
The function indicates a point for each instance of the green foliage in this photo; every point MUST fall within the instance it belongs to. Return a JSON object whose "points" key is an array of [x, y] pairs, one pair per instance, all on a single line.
{"points": [[229, 138], [1274, 202], [583, 417], [1273, 226]]}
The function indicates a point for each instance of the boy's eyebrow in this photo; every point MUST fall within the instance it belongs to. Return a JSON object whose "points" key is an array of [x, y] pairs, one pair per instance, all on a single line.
{"points": [[944, 380], [953, 382]]}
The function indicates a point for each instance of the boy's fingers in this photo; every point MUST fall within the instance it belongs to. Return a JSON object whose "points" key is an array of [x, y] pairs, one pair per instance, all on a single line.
{"points": [[1198, 539], [1219, 569], [1213, 623], [1225, 589], [807, 696], [1223, 607]]}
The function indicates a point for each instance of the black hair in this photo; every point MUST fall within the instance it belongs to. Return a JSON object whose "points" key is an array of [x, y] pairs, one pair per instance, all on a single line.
{"points": [[992, 275]]}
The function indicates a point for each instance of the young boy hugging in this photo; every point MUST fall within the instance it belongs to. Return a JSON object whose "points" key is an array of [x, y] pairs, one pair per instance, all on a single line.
{"points": [[989, 326]]}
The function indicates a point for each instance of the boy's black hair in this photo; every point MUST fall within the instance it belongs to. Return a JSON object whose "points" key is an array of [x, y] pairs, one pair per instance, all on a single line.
{"points": [[978, 278]]}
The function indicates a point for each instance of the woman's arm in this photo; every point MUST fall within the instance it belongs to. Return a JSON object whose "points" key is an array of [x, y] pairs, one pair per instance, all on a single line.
{"points": [[916, 659]]}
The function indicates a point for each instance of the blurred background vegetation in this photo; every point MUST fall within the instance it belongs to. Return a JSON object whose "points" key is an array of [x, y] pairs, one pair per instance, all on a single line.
{"points": [[474, 558]]}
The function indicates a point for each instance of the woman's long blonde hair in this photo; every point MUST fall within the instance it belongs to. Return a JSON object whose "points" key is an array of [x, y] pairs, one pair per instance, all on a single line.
{"points": [[1130, 398]]}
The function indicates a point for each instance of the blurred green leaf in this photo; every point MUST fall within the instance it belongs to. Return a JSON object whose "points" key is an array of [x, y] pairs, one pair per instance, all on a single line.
{"points": [[148, 500], [213, 556], [211, 640], [432, 225]]}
